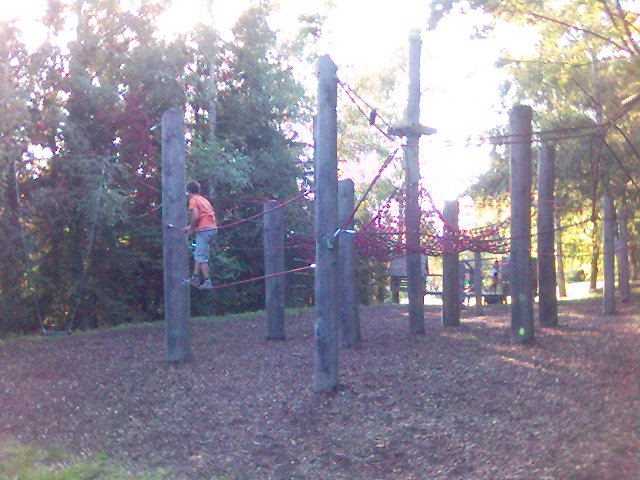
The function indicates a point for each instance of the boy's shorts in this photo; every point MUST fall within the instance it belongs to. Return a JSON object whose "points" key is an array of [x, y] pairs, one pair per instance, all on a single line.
{"points": [[203, 239]]}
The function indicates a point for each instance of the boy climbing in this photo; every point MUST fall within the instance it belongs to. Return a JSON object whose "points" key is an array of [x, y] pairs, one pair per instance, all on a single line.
{"points": [[204, 226]]}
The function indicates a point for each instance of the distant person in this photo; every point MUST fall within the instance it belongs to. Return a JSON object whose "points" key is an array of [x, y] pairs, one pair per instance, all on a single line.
{"points": [[495, 276], [470, 282], [204, 226]]}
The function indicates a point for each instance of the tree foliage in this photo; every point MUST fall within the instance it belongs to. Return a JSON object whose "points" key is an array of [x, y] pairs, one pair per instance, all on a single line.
{"points": [[580, 77], [80, 158]]}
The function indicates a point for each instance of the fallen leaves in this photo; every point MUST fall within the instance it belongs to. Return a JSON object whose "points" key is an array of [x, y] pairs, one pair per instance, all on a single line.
{"points": [[459, 403]]}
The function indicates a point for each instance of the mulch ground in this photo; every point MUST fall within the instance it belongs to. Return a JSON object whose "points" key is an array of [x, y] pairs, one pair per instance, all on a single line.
{"points": [[454, 403]]}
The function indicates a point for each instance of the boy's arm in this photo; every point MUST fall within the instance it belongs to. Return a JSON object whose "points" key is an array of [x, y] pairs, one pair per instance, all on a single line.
{"points": [[195, 215]]}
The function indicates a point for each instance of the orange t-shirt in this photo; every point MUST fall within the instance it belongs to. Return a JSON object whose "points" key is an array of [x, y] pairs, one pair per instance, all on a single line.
{"points": [[206, 214]]}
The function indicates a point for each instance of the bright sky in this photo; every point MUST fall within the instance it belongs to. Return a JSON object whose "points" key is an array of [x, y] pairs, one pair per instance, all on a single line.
{"points": [[459, 83]]}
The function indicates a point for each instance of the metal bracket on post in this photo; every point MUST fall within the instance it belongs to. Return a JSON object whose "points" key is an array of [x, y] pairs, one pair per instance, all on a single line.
{"points": [[331, 241]]}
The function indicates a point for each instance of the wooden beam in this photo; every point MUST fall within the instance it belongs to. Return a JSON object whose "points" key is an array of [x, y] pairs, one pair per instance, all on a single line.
{"points": [[407, 130]]}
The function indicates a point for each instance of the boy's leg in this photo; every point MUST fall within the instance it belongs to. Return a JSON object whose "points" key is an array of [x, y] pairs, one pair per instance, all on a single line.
{"points": [[201, 256], [204, 268]]}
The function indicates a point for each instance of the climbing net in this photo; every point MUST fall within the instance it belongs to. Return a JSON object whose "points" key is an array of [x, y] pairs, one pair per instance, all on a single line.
{"points": [[383, 237]]}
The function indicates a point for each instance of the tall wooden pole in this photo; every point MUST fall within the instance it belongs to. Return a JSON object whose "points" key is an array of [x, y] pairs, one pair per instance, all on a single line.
{"points": [[412, 130], [348, 308], [520, 261], [175, 252], [273, 238], [547, 299], [415, 282], [477, 282], [623, 256], [325, 361], [450, 269], [608, 254]]}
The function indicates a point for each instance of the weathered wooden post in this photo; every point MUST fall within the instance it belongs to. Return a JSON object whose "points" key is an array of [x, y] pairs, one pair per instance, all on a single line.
{"points": [[477, 282], [348, 308], [273, 238], [175, 252], [547, 299], [415, 284], [412, 130], [623, 256], [450, 269], [325, 361], [520, 261], [608, 254]]}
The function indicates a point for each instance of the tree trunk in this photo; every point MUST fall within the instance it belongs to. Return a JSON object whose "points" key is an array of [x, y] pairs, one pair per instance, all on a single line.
{"points": [[595, 256], [623, 257], [562, 281], [608, 250]]}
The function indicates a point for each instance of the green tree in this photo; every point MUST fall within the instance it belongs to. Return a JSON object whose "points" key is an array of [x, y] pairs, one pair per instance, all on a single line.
{"points": [[253, 155], [573, 80], [16, 88]]}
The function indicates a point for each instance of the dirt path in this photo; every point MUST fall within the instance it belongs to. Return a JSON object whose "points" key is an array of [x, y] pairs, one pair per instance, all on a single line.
{"points": [[459, 403]]}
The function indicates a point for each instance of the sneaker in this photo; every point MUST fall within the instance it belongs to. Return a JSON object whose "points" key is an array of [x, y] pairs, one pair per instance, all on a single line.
{"points": [[206, 285], [192, 281]]}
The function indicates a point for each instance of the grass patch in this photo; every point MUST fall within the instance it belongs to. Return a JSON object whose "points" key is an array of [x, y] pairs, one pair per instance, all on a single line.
{"points": [[20, 462]]}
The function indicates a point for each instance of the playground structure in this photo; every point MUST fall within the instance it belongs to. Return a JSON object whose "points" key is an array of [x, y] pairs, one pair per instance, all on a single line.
{"points": [[327, 249], [334, 236]]}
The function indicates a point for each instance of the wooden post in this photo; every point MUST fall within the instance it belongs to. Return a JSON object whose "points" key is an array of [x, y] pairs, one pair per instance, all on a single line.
{"points": [[273, 238], [325, 361], [547, 299], [415, 284], [623, 256], [450, 269], [412, 130], [175, 252], [608, 254], [520, 261], [348, 308], [477, 282]]}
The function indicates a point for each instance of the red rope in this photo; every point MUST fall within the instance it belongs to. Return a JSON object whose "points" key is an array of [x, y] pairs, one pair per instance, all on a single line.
{"points": [[254, 279], [258, 215], [386, 163]]}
